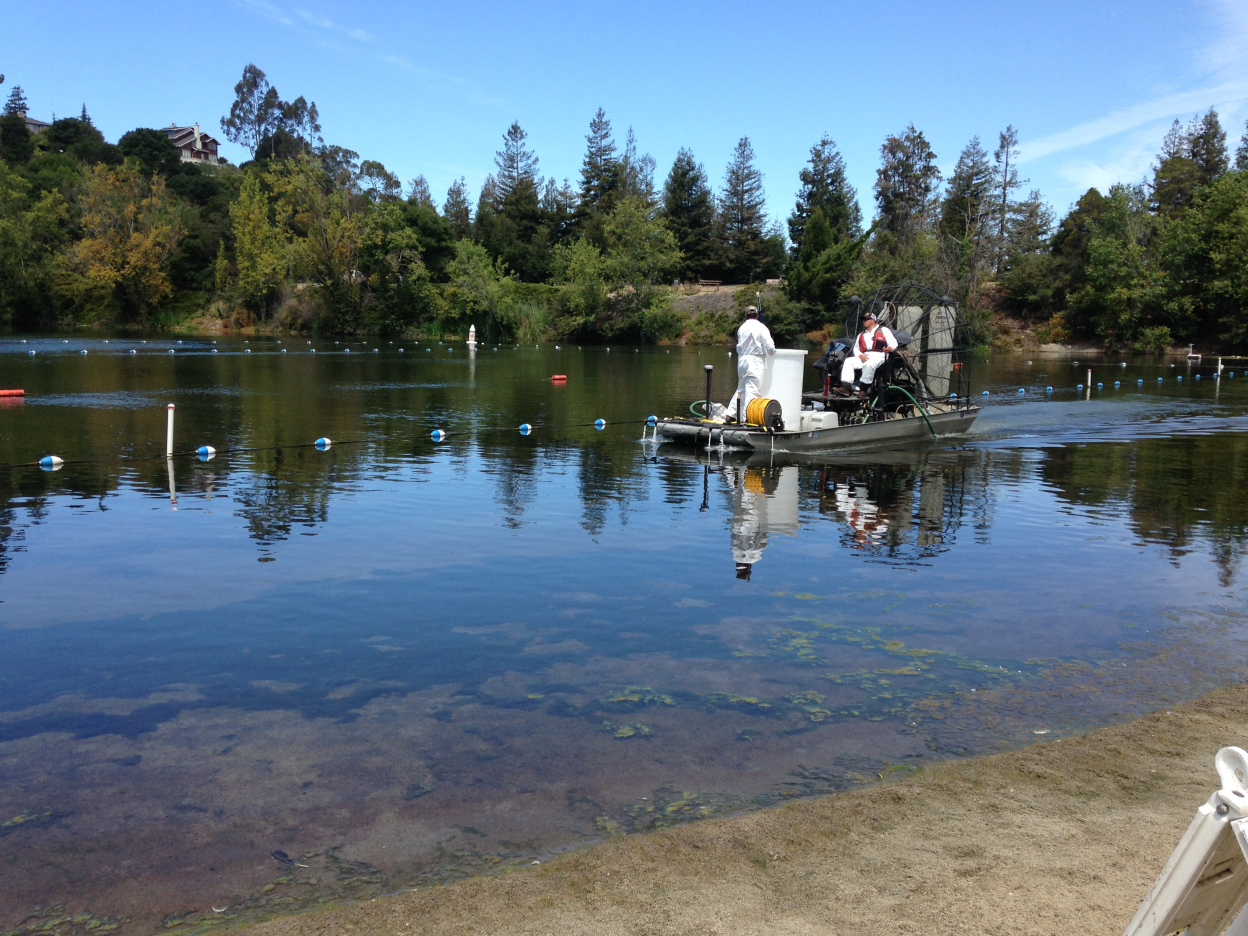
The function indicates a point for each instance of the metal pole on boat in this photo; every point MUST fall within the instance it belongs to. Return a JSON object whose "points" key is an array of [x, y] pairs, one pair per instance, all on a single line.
{"points": [[709, 368], [169, 434]]}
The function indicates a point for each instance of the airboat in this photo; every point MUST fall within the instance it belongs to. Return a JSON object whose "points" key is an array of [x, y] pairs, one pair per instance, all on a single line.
{"points": [[920, 392]]}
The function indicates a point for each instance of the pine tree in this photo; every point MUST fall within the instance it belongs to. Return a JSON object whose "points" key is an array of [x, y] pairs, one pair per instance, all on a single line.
{"points": [[743, 218], [85, 118], [904, 184], [517, 166], [1191, 157], [1241, 154], [16, 104], [600, 170], [1006, 157], [418, 192], [1206, 145], [966, 214], [636, 172], [456, 209], [688, 211], [825, 186]]}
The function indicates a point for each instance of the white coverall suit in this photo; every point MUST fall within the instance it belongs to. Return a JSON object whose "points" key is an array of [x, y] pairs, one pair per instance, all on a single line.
{"points": [[862, 346], [753, 345]]}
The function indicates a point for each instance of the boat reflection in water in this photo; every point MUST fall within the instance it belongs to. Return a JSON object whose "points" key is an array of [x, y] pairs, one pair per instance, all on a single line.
{"points": [[764, 501], [900, 506]]}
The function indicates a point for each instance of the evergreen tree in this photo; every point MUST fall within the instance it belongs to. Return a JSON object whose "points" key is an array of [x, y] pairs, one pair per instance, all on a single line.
{"points": [[16, 104], [825, 186], [904, 184], [85, 117], [688, 211], [744, 221], [600, 170], [636, 172], [1191, 157], [1206, 145], [966, 215], [418, 192], [1241, 154], [17, 143], [517, 166], [1006, 157], [456, 209]]}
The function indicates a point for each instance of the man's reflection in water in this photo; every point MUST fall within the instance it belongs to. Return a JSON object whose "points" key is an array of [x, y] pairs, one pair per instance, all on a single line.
{"points": [[867, 523], [764, 502]]}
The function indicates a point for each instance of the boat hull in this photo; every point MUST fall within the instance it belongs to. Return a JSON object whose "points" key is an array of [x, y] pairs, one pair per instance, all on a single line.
{"points": [[901, 430]]}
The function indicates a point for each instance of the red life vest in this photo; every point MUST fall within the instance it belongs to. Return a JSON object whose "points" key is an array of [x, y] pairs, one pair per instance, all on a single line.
{"points": [[878, 341]]}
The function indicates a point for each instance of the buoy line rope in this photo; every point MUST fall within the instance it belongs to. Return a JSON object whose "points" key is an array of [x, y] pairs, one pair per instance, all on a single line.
{"points": [[437, 435]]}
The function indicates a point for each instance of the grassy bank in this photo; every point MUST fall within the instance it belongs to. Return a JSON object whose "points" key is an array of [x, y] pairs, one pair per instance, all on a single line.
{"points": [[1059, 837]]}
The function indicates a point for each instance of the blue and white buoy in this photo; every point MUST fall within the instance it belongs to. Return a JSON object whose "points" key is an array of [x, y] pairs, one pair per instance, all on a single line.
{"points": [[985, 393], [1079, 386], [525, 428], [600, 424], [323, 443], [1099, 385], [1048, 389], [205, 452], [1021, 390], [51, 462]]}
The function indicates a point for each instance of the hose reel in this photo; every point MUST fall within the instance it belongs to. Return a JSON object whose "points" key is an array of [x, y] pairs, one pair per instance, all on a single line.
{"points": [[764, 412]]}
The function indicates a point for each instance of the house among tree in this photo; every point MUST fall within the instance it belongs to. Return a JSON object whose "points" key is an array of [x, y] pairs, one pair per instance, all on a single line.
{"points": [[193, 145], [33, 125]]}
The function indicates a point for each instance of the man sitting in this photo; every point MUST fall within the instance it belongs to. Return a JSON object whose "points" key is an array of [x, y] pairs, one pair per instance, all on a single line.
{"points": [[871, 348]]}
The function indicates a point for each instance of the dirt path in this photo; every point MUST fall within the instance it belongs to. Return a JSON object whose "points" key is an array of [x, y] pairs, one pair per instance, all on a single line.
{"points": [[1062, 837]]}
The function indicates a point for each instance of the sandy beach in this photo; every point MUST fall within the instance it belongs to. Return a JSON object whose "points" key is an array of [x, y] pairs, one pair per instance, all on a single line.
{"points": [[1058, 837]]}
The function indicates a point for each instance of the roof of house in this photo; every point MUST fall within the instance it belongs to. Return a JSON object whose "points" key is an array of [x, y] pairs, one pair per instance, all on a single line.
{"points": [[181, 136]]}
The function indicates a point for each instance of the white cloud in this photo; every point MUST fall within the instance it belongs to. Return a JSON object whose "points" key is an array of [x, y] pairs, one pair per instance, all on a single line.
{"points": [[1220, 69], [324, 22]]}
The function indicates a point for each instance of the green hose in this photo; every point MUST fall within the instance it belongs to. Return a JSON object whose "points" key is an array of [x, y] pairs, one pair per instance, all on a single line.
{"points": [[920, 407], [692, 408]]}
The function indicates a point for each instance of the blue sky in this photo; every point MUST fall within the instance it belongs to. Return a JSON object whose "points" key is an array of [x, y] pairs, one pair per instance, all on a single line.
{"points": [[429, 89]]}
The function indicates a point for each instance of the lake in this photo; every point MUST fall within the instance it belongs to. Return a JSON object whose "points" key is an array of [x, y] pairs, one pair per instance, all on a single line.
{"points": [[282, 676]]}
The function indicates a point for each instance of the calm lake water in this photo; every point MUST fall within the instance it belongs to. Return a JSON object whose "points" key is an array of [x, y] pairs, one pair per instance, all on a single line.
{"points": [[397, 662]]}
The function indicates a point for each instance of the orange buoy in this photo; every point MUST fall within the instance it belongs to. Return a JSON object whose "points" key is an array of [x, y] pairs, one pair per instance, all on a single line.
{"points": [[12, 392], [558, 377]]}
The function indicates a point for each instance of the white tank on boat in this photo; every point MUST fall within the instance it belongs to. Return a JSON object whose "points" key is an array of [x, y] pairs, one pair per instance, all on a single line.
{"points": [[782, 382]]}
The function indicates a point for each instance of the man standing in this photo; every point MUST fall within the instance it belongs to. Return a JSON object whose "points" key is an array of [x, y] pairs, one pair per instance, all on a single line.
{"points": [[869, 351], [753, 345]]}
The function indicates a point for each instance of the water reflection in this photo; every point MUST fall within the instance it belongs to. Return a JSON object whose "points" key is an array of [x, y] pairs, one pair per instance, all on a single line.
{"points": [[541, 639]]}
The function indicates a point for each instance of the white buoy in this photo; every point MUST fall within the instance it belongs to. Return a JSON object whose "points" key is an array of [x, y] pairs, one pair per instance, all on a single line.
{"points": [[32, 353], [169, 434], [83, 351], [51, 462], [132, 351], [246, 350]]}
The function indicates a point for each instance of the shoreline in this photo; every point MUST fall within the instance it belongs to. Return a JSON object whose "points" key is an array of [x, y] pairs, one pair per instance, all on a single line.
{"points": [[1059, 836]]}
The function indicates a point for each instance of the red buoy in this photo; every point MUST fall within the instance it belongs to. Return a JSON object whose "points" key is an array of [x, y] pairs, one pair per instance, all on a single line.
{"points": [[559, 377], [12, 392]]}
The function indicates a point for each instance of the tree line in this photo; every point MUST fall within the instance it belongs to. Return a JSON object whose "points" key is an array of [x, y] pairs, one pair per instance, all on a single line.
{"points": [[310, 235]]}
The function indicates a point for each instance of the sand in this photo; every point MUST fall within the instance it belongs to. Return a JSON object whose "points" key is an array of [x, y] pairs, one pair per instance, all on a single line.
{"points": [[1058, 837]]}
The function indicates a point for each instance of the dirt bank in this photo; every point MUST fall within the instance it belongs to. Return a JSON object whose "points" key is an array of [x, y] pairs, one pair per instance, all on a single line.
{"points": [[1056, 838]]}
